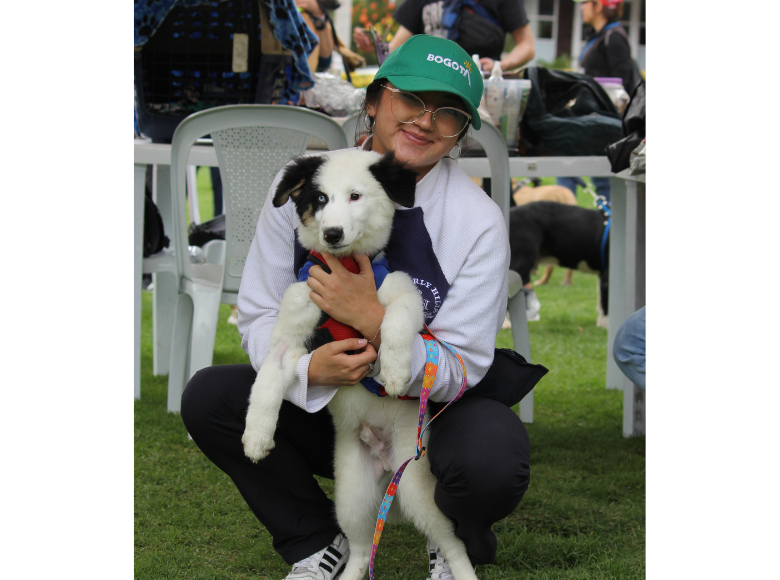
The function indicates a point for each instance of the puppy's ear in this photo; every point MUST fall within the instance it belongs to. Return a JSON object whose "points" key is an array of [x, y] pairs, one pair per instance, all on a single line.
{"points": [[295, 176], [398, 181]]}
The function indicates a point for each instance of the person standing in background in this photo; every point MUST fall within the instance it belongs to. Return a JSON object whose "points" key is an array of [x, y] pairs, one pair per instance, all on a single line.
{"points": [[425, 17], [606, 54]]}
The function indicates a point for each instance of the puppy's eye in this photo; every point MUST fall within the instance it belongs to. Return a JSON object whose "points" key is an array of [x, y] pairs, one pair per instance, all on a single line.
{"points": [[322, 198], [355, 197]]}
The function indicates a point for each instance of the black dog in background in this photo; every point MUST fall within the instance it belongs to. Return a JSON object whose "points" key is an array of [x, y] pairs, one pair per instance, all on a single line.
{"points": [[551, 233]]}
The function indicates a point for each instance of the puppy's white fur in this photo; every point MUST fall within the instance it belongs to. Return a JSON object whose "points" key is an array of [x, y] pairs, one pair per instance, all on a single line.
{"points": [[374, 435]]}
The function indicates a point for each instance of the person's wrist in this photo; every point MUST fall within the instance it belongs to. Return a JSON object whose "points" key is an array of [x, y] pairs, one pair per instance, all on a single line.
{"points": [[370, 329]]}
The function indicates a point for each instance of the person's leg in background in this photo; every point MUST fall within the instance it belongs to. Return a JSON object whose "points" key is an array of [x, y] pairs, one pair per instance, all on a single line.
{"points": [[570, 182], [629, 349], [216, 187], [602, 186]]}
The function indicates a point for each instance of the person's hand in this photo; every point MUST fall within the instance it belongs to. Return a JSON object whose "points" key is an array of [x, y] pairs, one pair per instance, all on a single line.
{"points": [[362, 40], [349, 298], [486, 64], [331, 366], [310, 6]]}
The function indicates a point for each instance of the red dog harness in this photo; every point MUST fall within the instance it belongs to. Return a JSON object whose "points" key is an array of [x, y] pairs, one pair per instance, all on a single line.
{"points": [[330, 329]]}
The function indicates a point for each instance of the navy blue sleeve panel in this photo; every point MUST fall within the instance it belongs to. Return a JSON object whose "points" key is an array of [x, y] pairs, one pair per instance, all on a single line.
{"points": [[410, 250]]}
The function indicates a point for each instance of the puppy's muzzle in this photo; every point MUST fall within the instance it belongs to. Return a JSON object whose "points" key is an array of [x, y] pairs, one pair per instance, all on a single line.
{"points": [[333, 236]]}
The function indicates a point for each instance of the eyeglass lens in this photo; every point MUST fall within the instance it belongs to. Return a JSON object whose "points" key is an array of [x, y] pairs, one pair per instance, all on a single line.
{"points": [[408, 108]]}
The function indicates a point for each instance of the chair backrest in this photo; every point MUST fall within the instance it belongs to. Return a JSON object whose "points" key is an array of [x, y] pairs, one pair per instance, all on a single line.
{"points": [[253, 143], [348, 126], [498, 158]]}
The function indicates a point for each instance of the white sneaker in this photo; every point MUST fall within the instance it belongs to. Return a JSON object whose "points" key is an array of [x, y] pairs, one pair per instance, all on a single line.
{"points": [[437, 565], [532, 305], [233, 318], [326, 564]]}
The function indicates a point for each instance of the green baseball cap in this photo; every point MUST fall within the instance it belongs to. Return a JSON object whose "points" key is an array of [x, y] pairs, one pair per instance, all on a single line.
{"points": [[429, 63]]}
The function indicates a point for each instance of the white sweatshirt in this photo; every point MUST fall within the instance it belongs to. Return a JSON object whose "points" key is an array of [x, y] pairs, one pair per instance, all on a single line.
{"points": [[454, 245]]}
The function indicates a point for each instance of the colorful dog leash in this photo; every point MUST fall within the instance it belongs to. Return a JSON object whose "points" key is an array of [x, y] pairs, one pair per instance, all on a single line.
{"points": [[431, 366]]}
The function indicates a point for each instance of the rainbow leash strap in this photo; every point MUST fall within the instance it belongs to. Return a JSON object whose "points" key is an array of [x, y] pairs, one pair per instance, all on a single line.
{"points": [[431, 366]]}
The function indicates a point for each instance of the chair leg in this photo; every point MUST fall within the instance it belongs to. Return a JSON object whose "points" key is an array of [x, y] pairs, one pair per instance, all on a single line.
{"points": [[206, 301], [164, 297], [180, 349], [523, 346], [138, 247]]}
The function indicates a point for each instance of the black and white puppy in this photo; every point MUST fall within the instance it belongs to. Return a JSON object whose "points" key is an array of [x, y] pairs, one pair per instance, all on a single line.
{"points": [[345, 202], [555, 234]]}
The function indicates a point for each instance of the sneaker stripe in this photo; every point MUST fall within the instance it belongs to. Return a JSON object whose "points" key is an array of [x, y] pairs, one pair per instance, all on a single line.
{"points": [[330, 559], [325, 566]]}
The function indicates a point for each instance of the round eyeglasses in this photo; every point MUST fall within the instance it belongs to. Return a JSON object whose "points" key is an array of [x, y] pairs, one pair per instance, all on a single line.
{"points": [[409, 108]]}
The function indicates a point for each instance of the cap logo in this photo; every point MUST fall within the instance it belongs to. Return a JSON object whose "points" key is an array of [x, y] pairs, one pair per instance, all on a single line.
{"points": [[448, 62]]}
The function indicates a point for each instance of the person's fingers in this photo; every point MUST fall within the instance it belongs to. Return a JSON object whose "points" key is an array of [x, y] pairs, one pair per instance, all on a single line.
{"points": [[315, 284], [318, 300], [340, 346], [367, 356], [365, 265], [318, 273], [333, 263]]}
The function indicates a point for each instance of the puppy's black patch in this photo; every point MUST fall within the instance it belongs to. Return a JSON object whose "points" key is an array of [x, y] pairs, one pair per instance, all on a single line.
{"points": [[297, 177], [398, 181]]}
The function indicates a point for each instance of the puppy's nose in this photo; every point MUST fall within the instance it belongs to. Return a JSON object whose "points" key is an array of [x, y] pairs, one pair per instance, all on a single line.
{"points": [[333, 235]]}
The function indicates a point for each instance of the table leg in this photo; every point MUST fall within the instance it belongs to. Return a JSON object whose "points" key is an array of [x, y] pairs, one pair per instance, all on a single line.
{"points": [[138, 258], [165, 284], [617, 278], [633, 396], [626, 289], [633, 411]]}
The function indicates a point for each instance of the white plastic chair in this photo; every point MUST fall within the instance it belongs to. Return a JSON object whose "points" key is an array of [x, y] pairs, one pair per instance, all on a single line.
{"points": [[253, 143], [498, 157], [348, 126]]}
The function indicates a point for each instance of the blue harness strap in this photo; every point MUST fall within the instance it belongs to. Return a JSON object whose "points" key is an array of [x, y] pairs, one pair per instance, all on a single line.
{"points": [[604, 207]]}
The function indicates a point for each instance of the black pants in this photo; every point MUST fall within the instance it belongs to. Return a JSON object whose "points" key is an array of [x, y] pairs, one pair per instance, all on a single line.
{"points": [[478, 451]]}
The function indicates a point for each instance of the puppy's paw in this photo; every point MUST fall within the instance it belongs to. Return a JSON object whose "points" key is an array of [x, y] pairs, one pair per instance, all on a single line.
{"points": [[394, 385], [396, 371], [257, 444]]}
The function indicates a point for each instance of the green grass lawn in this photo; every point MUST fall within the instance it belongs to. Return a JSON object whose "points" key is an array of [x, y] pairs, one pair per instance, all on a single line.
{"points": [[582, 517]]}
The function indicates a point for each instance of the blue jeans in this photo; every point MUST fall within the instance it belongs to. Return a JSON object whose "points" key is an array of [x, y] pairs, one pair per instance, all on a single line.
{"points": [[629, 348], [600, 183]]}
